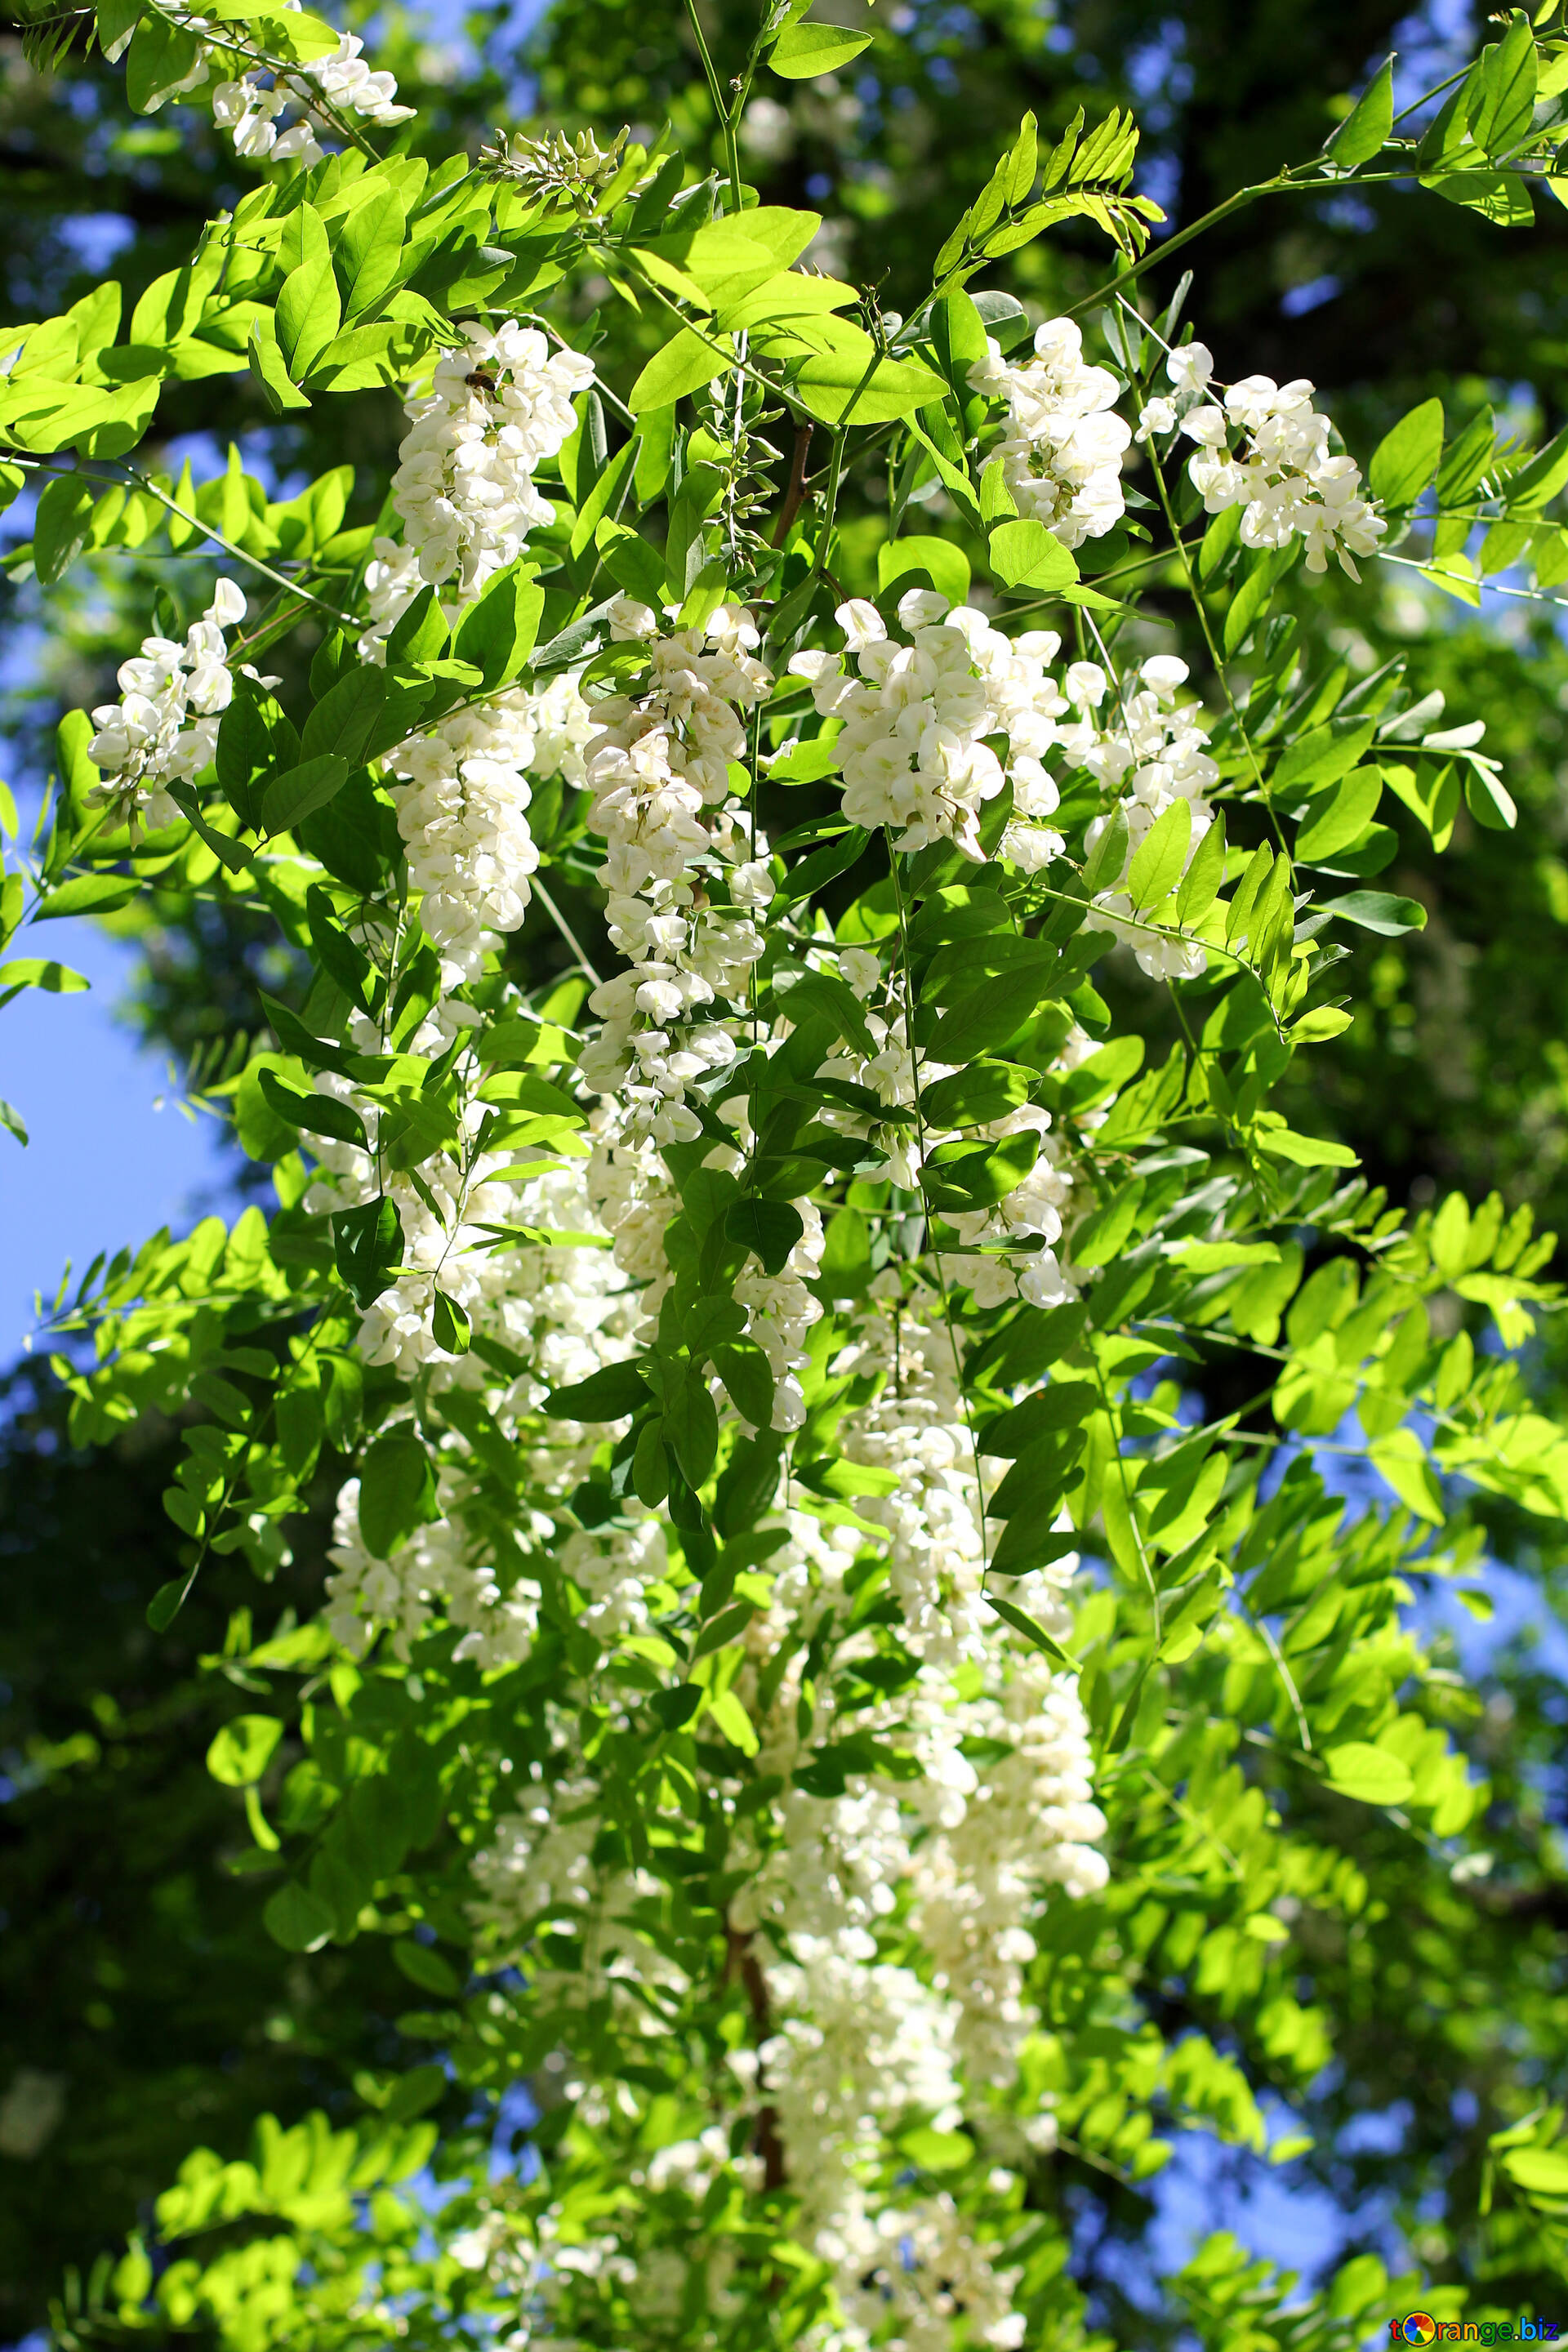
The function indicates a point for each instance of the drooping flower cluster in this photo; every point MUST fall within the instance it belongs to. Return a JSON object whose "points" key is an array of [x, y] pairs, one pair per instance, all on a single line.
{"points": [[916, 717], [1155, 749], [461, 798], [682, 890], [164, 730], [884, 1930], [249, 106], [1281, 470], [1061, 453], [500, 404]]}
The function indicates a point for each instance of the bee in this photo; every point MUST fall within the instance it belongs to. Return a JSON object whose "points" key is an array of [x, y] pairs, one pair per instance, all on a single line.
{"points": [[481, 379]]}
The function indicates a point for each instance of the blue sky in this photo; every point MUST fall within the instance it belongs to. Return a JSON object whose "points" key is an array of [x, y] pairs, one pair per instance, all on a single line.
{"points": [[103, 1165]]}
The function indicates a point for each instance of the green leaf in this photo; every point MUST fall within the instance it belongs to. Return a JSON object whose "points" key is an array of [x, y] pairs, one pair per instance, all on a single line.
{"points": [[1160, 857], [1322, 757], [63, 522], [1217, 1257], [803, 51], [1488, 801], [1305, 1150], [747, 1374], [1105, 1234], [498, 632], [309, 313], [397, 1493], [1201, 883], [367, 1248], [832, 858], [685, 364], [691, 1427], [943, 564], [608, 1395], [1501, 112], [1034, 1633], [1264, 573], [427, 1969], [1377, 910], [937, 2151], [1407, 458], [317, 1114], [1539, 2171], [992, 1013], [370, 251], [1374, 1775], [823, 995], [450, 1326], [1339, 817], [974, 1097], [277, 388], [975, 1175], [162, 56], [1365, 130], [298, 1919], [837, 386], [343, 720], [1102, 867], [87, 894], [1401, 1458], [768, 1229], [33, 971], [243, 1750], [1025, 555], [299, 791]]}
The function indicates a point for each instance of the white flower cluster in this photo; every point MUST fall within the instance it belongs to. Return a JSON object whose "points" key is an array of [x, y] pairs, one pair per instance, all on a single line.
{"points": [[164, 727], [500, 404], [916, 718], [1155, 749], [1062, 451], [1284, 475], [658, 768], [461, 798], [249, 106]]}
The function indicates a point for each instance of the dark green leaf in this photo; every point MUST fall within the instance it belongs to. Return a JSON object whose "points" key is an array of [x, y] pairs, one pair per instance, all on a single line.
{"points": [[367, 1248], [397, 1493], [608, 1395], [768, 1229]]}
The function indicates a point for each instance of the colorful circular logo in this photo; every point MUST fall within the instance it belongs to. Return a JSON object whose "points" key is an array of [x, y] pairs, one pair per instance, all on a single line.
{"points": [[1420, 2327]]}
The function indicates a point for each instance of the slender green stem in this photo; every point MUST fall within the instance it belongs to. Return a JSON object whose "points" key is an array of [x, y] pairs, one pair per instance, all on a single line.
{"points": [[724, 114], [279, 579], [564, 927]]}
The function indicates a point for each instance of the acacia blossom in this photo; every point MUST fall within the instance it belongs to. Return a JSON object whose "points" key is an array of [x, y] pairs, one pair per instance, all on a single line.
{"points": [[1063, 445], [914, 718], [1281, 471], [164, 730]]}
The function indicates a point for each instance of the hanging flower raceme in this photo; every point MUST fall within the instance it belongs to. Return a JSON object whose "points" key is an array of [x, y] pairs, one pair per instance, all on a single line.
{"points": [[1062, 450], [682, 887], [1265, 448], [164, 730], [916, 712], [498, 404], [462, 794]]}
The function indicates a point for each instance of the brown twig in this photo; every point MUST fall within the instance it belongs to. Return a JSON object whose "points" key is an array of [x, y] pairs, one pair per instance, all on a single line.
{"points": [[794, 495], [740, 1960]]}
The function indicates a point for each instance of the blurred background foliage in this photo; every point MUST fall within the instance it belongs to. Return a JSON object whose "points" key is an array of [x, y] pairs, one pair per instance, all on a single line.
{"points": [[143, 2009]]}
